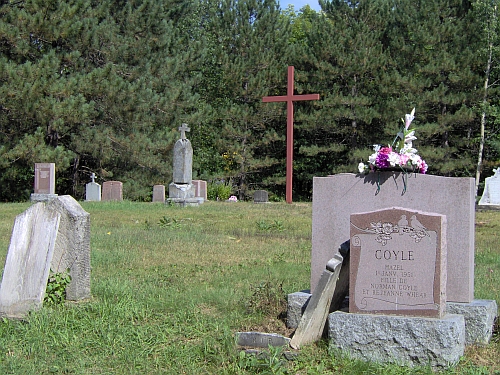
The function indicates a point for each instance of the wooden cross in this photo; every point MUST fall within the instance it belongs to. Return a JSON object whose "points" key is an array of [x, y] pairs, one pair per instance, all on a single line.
{"points": [[289, 98], [183, 129]]}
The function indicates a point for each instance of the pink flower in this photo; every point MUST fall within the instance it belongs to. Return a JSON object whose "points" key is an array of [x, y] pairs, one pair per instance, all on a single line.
{"points": [[423, 167], [403, 159], [385, 150]]}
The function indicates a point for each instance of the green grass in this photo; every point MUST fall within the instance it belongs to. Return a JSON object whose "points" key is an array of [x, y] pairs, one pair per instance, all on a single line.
{"points": [[171, 286]]}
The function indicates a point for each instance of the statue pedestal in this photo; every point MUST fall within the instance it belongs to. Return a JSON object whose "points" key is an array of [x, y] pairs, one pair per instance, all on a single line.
{"points": [[183, 195]]}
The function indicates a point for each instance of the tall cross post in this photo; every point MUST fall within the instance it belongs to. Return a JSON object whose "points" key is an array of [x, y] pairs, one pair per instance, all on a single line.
{"points": [[289, 98]]}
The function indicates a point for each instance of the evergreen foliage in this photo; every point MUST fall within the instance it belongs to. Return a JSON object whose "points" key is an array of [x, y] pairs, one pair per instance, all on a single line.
{"points": [[103, 86]]}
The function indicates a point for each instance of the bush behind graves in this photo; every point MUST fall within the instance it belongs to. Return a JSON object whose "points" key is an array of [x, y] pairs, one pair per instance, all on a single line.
{"points": [[168, 301]]}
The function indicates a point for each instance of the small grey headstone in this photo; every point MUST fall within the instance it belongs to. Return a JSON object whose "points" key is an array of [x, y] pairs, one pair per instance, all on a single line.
{"points": [[260, 196], [260, 340], [112, 191], [159, 193], [491, 193], [93, 191], [28, 261]]}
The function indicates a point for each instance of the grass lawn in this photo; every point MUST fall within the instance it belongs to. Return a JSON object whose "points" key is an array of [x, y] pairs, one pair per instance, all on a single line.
{"points": [[171, 286]]}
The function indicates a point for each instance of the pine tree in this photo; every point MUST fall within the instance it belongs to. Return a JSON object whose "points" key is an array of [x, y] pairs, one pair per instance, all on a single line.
{"points": [[348, 64], [434, 45], [251, 55], [95, 87]]}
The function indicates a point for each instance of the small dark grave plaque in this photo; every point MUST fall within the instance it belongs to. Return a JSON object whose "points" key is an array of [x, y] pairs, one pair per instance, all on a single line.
{"points": [[398, 263], [260, 196]]}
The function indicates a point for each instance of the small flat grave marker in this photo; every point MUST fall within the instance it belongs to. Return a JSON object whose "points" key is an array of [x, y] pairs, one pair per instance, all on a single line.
{"points": [[398, 263], [261, 340]]}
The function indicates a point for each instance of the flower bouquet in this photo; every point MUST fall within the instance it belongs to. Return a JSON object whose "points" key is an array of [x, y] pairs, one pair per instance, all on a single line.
{"points": [[400, 154]]}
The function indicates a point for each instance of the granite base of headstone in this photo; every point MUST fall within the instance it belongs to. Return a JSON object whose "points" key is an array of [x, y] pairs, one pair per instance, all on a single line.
{"points": [[158, 194], [72, 247], [261, 196], [183, 195], [112, 191], [480, 316], [438, 342], [28, 261], [93, 191], [35, 198]]}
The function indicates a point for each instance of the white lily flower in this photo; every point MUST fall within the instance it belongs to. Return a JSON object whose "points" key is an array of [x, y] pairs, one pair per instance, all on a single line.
{"points": [[409, 118], [410, 136]]}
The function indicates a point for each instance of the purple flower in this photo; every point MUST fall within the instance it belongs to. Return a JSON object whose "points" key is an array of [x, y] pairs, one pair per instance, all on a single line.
{"points": [[382, 161]]}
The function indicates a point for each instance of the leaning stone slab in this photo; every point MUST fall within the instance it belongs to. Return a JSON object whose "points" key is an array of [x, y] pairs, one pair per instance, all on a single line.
{"points": [[260, 340], [398, 339], [479, 317], [72, 247], [313, 320], [28, 261]]}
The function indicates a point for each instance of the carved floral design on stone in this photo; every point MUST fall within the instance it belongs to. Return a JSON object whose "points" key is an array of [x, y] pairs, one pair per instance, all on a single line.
{"points": [[385, 230]]}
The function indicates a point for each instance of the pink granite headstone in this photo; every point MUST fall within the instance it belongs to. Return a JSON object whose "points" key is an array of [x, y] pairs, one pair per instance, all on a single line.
{"points": [[112, 191], [159, 194], [335, 198], [200, 188], [45, 178], [398, 263]]}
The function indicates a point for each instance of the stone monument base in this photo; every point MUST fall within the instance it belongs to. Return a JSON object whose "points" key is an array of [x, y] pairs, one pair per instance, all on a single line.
{"points": [[438, 342], [184, 202], [36, 197], [181, 191], [479, 315]]}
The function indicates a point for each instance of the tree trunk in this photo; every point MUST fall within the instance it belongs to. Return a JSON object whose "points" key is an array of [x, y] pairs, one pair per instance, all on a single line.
{"points": [[485, 101]]}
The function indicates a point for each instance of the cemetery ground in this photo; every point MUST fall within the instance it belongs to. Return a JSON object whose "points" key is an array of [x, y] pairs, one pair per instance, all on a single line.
{"points": [[171, 286]]}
